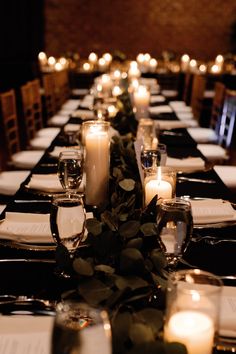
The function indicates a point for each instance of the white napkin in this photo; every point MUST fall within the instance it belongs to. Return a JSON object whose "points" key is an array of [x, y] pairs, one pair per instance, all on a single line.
{"points": [[228, 312], [26, 227], [211, 211], [177, 104], [71, 104], [83, 114], [157, 99], [49, 183], [212, 151], [80, 92], [87, 102], [58, 120], [160, 109], [21, 334], [202, 135], [183, 109], [186, 164], [169, 93], [185, 115], [57, 149], [173, 124]]}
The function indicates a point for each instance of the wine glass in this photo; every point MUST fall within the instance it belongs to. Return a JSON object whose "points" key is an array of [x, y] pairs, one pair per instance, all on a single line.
{"points": [[67, 220], [80, 329], [70, 169], [174, 227]]}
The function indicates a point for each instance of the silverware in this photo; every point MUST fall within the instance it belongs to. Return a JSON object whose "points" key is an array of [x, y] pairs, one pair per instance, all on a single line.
{"points": [[167, 132], [198, 180], [32, 201], [211, 240]]}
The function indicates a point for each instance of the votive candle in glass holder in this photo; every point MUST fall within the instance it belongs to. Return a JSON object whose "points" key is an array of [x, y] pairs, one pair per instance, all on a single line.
{"points": [[146, 132], [160, 181], [97, 161], [192, 310], [141, 99]]}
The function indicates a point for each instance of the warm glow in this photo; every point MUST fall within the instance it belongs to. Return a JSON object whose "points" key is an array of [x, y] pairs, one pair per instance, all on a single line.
{"points": [[93, 57], [58, 66], [42, 56], [51, 61], [193, 63], [112, 110], [140, 58], [185, 58], [116, 91], [102, 62], [147, 56], [117, 74], [215, 69], [107, 57], [86, 66], [133, 64], [219, 59], [202, 68], [153, 63]]}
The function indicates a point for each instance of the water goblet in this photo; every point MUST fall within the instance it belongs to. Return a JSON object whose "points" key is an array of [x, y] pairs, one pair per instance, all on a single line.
{"points": [[79, 329], [67, 220], [70, 169], [174, 227]]}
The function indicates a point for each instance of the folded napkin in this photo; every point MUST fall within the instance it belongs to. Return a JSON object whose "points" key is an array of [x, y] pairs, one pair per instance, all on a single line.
{"points": [[23, 334], [71, 104], [169, 93], [80, 92], [207, 211], [26, 227], [212, 151], [189, 163], [58, 120], [58, 149], [83, 114], [227, 325], [185, 115], [183, 109], [157, 99], [173, 124], [87, 102], [202, 135], [160, 109], [50, 132], [49, 183], [176, 104]]}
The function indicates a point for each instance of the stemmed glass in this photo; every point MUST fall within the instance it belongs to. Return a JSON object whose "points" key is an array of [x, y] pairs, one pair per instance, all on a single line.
{"points": [[67, 221], [174, 227], [80, 329], [70, 169]]}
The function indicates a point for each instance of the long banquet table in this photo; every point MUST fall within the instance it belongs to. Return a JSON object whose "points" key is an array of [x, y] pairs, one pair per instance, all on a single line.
{"points": [[31, 272]]}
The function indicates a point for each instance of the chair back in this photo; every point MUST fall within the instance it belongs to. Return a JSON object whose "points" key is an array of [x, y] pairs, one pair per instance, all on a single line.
{"points": [[62, 87], [49, 101], [217, 106], [187, 89], [31, 108], [227, 129], [10, 122], [197, 96]]}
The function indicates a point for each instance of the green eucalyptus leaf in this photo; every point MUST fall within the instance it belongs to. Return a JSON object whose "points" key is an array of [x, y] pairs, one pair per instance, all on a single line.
{"points": [[152, 317], [175, 348], [149, 229], [94, 291], [83, 267], [127, 184], [132, 282], [123, 217], [121, 325], [129, 229], [135, 243], [104, 268], [117, 173], [141, 333], [108, 218], [94, 226], [159, 281], [131, 261], [158, 259]]}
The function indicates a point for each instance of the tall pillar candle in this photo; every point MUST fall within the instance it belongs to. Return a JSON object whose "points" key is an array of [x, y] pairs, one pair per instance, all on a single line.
{"points": [[97, 164], [141, 102]]}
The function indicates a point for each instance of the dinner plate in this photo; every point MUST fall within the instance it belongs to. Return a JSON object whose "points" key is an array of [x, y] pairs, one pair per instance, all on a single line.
{"points": [[28, 246], [41, 193]]}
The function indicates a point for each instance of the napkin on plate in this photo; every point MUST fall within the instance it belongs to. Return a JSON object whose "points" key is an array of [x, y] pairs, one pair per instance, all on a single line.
{"points": [[188, 163], [201, 134], [206, 211], [83, 114], [26, 334], [26, 227], [49, 183], [173, 124], [184, 115], [227, 325], [160, 109], [157, 99], [57, 149]]}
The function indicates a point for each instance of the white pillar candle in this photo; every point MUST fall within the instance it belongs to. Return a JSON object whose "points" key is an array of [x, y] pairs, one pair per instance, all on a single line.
{"points": [[141, 101], [157, 186], [96, 165], [185, 62], [193, 329]]}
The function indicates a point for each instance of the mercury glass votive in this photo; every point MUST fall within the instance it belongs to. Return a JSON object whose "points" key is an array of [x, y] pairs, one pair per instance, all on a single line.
{"points": [[192, 310]]}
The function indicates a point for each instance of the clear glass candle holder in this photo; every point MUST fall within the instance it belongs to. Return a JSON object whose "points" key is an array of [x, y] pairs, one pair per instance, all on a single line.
{"points": [[160, 181], [192, 310]]}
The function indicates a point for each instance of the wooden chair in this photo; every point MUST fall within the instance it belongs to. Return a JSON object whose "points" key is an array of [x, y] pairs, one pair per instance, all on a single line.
{"points": [[16, 156], [197, 96], [62, 87], [49, 100]]}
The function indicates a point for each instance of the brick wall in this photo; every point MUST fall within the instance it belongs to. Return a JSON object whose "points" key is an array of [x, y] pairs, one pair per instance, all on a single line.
{"points": [[199, 27]]}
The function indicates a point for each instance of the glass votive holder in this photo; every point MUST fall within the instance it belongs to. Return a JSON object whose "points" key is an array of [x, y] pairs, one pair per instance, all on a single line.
{"points": [[146, 132], [160, 181], [192, 310], [150, 159], [141, 99], [163, 153]]}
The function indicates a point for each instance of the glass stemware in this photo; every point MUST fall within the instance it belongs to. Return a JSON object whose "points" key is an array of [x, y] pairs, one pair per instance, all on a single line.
{"points": [[80, 329], [174, 227], [70, 169], [67, 220]]}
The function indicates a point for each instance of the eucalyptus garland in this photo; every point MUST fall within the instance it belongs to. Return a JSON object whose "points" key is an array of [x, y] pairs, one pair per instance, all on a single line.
{"points": [[121, 266]]}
